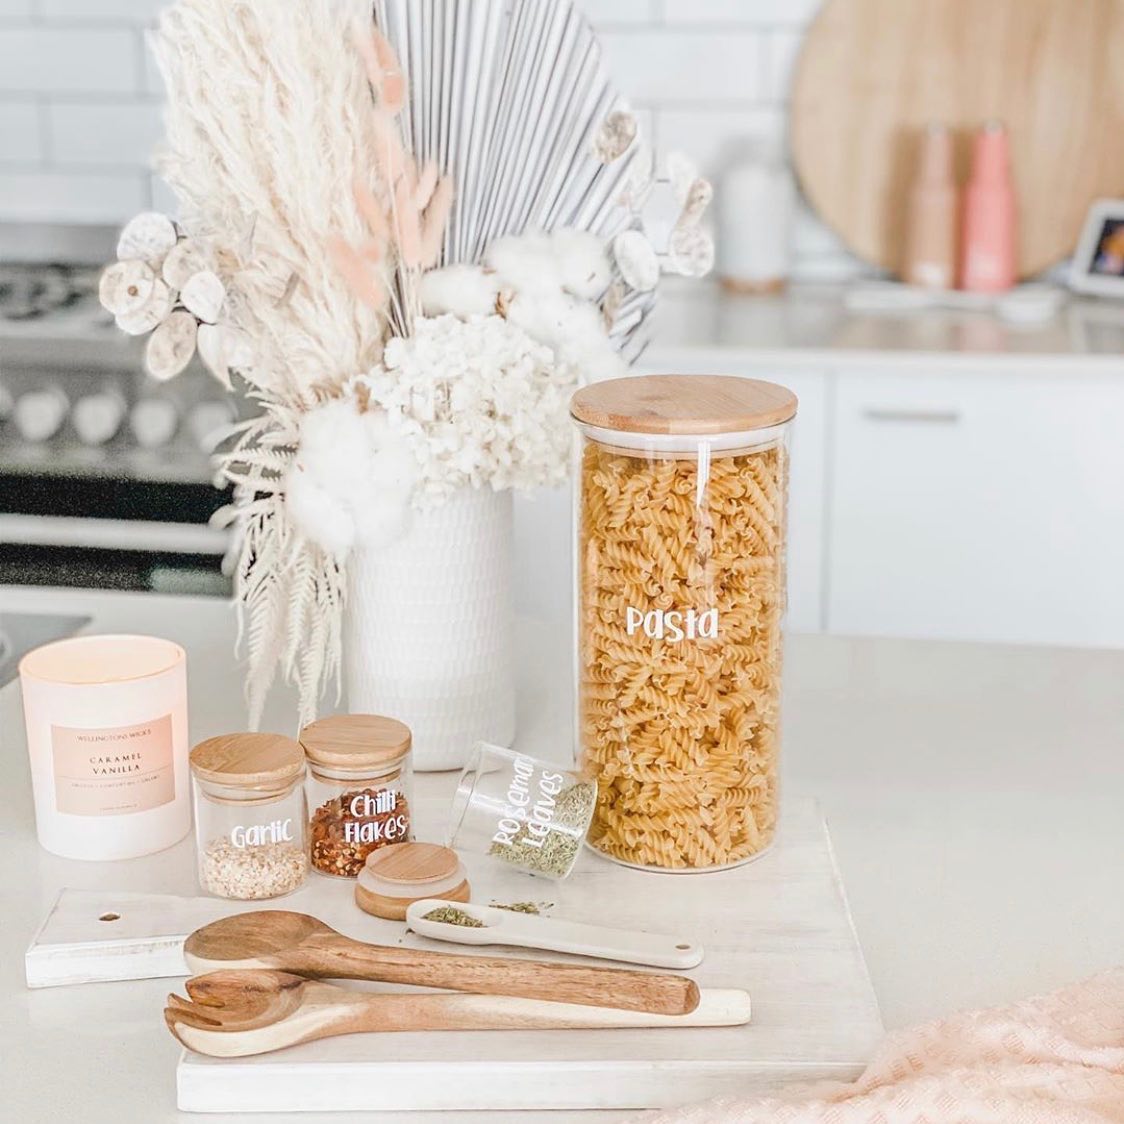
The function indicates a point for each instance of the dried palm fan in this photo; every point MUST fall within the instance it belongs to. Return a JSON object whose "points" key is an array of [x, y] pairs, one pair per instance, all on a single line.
{"points": [[510, 99]]}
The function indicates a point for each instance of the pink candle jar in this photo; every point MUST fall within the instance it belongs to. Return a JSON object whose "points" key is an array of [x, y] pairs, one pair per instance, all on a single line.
{"points": [[107, 736]]}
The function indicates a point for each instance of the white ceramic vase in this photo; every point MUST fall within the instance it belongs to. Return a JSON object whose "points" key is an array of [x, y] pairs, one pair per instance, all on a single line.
{"points": [[428, 635]]}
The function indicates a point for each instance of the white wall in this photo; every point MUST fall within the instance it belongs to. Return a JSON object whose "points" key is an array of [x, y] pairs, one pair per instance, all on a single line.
{"points": [[80, 98]]}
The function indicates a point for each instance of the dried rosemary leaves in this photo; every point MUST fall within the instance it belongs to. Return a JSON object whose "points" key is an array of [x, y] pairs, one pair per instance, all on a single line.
{"points": [[450, 915], [551, 847]]}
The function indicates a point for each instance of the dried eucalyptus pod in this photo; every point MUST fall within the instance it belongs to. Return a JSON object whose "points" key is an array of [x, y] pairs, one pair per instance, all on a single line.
{"points": [[187, 258], [637, 260], [691, 251], [203, 295], [126, 287], [699, 196], [148, 237], [171, 346], [613, 138], [156, 307]]}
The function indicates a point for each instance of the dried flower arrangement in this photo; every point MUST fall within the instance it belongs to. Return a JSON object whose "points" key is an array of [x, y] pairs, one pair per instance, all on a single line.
{"points": [[409, 284]]}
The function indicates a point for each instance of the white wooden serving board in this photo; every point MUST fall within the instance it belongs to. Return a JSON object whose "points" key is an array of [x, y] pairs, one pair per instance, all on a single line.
{"points": [[778, 927], [95, 936]]}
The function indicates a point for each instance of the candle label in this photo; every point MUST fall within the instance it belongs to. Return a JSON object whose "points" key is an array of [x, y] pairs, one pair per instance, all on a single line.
{"points": [[113, 770]]}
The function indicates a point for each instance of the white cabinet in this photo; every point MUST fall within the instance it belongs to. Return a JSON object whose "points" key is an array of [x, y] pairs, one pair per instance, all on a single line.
{"points": [[806, 490], [982, 505]]}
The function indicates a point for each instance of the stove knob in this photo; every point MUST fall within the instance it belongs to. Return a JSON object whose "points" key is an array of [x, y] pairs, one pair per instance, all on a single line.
{"points": [[7, 403], [97, 418], [154, 422], [40, 414], [208, 423]]}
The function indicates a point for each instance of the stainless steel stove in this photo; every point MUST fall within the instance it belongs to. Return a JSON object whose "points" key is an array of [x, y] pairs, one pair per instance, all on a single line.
{"points": [[105, 475]]}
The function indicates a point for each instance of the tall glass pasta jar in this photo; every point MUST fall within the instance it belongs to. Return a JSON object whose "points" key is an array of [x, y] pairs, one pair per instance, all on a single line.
{"points": [[680, 599]]}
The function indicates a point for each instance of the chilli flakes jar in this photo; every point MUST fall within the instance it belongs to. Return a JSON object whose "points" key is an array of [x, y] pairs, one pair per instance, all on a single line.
{"points": [[359, 789]]}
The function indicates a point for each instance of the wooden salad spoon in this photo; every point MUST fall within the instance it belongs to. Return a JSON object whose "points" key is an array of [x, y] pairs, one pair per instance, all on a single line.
{"points": [[233, 1014], [305, 946]]}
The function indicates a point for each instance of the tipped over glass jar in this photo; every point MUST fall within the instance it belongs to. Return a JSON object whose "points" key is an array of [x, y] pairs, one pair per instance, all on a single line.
{"points": [[530, 814]]}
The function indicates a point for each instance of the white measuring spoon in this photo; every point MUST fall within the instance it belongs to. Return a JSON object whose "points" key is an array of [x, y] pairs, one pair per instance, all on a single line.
{"points": [[528, 930]]}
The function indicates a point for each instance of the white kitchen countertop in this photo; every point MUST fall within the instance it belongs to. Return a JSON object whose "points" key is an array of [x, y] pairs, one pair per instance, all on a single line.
{"points": [[812, 324], [808, 323], [974, 796]]}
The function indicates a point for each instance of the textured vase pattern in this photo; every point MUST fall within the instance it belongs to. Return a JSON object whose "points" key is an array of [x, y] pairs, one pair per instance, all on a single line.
{"points": [[429, 629]]}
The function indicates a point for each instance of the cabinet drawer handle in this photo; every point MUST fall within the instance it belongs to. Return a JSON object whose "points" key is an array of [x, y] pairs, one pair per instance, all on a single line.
{"points": [[930, 417]]}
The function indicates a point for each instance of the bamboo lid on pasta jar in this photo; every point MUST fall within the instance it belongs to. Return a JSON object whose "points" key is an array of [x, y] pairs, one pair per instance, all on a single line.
{"points": [[683, 404]]}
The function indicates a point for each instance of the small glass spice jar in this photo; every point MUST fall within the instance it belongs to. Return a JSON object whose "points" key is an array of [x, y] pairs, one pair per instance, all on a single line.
{"points": [[250, 815], [359, 789], [529, 813]]}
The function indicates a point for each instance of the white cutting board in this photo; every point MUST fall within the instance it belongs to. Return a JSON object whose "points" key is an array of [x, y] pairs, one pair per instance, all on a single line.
{"points": [[778, 927]]}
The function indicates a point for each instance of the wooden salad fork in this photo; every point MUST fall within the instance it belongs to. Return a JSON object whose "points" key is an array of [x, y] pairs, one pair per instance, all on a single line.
{"points": [[304, 946], [237, 1013]]}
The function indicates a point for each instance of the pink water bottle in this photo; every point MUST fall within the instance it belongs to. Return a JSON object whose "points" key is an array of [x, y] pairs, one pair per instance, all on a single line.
{"points": [[989, 252]]}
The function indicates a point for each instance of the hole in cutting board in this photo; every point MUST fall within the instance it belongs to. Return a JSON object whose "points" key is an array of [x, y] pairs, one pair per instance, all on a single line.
{"points": [[110, 917], [683, 947]]}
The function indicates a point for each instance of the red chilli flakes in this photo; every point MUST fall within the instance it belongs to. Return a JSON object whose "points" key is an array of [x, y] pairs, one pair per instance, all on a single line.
{"points": [[347, 828]]}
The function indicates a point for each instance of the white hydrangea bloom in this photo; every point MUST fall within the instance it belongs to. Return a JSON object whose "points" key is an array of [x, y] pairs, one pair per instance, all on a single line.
{"points": [[480, 401]]}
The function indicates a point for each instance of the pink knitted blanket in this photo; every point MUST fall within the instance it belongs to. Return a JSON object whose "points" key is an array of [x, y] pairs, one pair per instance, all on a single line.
{"points": [[1054, 1059]]}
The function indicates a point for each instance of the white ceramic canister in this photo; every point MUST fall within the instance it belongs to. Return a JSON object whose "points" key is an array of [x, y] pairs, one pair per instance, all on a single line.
{"points": [[107, 736]]}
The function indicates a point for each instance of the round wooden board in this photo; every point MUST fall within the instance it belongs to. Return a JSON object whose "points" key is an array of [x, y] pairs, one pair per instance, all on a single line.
{"points": [[873, 73]]}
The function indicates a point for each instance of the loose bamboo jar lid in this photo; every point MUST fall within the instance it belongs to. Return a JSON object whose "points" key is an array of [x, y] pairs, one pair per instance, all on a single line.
{"points": [[355, 741], [256, 760], [683, 404], [396, 876]]}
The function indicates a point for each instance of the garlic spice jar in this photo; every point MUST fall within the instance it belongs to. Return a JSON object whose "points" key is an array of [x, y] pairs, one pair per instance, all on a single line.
{"points": [[680, 597], [359, 789], [249, 815]]}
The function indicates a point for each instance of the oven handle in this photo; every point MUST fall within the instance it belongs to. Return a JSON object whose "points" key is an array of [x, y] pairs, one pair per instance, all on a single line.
{"points": [[113, 534]]}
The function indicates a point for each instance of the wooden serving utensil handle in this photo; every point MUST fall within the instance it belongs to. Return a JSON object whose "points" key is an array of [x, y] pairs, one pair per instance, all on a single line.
{"points": [[717, 1007], [340, 957], [328, 1011]]}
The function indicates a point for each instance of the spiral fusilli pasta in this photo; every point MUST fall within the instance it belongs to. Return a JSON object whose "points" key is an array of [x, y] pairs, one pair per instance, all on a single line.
{"points": [[681, 593]]}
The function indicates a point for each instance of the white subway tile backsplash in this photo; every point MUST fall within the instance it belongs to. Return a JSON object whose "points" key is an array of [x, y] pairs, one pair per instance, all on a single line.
{"points": [[661, 65], [603, 13], [782, 48], [71, 197], [114, 133], [21, 139], [152, 78], [79, 94], [756, 13], [117, 11], [56, 60], [708, 136], [162, 198]]}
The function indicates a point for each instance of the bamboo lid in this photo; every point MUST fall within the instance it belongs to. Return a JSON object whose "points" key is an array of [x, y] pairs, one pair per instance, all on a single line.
{"points": [[413, 864], [683, 404], [353, 741], [248, 759]]}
